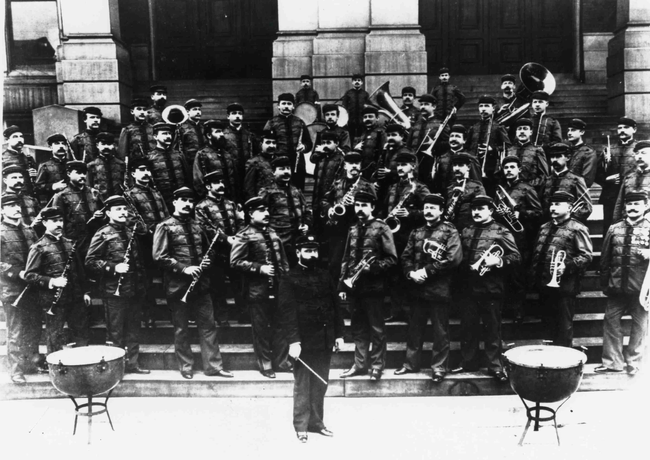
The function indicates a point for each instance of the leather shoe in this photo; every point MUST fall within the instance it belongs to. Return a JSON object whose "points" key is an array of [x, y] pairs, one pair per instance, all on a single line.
{"points": [[352, 372], [325, 432], [500, 376], [375, 375], [605, 369], [137, 370], [187, 375], [437, 377], [302, 436], [18, 379], [403, 370], [219, 373], [632, 370], [268, 373]]}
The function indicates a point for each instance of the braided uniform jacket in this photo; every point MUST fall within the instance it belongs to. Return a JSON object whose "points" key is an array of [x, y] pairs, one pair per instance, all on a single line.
{"points": [[328, 168], [149, 203], [49, 172], [636, 181], [244, 141], [223, 214], [476, 239], [259, 175], [412, 112], [336, 194], [477, 135], [84, 142], [430, 125], [107, 249], [11, 157], [373, 238], [437, 286], [306, 95], [288, 130], [78, 207], [15, 241], [566, 182], [449, 96], [177, 244], [570, 236], [154, 115], [445, 171], [413, 204], [463, 207], [622, 163], [342, 134], [534, 167], [287, 210], [209, 159], [106, 173], [583, 163], [622, 269], [388, 159], [46, 260], [29, 208], [136, 140], [550, 130], [250, 251], [354, 100], [192, 139], [168, 170], [371, 149]]}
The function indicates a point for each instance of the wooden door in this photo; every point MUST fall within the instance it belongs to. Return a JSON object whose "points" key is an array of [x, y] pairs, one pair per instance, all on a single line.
{"points": [[469, 37], [178, 48]]}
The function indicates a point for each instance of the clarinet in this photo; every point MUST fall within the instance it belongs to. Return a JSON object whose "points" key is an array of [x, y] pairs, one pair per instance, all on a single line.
{"points": [[31, 164], [127, 257], [205, 258], [64, 274]]}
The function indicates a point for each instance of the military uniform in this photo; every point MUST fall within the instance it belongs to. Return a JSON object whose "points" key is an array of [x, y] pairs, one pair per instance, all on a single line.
{"points": [[499, 140], [259, 175], [246, 143], [549, 130], [444, 172], [427, 126], [448, 96], [636, 181], [289, 131], [566, 181], [288, 210], [463, 214], [78, 206], [411, 111], [11, 157], [534, 166], [354, 101], [328, 168], [106, 174], [192, 139], [136, 140], [154, 114], [49, 172], [84, 143], [387, 160], [29, 207], [307, 95], [224, 159], [373, 141], [583, 163], [169, 172]]}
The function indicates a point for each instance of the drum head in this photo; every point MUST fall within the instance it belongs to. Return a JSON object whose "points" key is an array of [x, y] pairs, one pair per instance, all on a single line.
{"points": [[547, 356], [344, 117], [82, 356], [307, 111]]}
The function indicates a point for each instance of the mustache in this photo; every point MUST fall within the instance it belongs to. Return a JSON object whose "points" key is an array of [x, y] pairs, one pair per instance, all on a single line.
{"points": [[428, 214]]}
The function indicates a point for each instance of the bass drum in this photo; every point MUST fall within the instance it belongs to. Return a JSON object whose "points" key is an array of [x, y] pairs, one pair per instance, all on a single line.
{"points": [[314, 129], [344, 117], [307, 111]]}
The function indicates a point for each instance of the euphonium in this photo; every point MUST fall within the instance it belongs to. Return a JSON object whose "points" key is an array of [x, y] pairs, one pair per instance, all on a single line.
{"points": [[557, 262], [480, 267], [506, 205], [367, 260], [392, 220]]}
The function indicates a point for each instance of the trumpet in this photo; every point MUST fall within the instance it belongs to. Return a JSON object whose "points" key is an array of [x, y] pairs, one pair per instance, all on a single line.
{"points": [[127, 256], [557, 263], [494, 250], [367, 260], [339, 207], [450, 212], [392, 220], [434, 249], [205, 259], [506, 207]]}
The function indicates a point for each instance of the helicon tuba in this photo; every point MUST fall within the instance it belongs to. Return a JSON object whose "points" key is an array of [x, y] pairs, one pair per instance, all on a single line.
{"points": [[383, 100], [175, 115], [534, 77]]}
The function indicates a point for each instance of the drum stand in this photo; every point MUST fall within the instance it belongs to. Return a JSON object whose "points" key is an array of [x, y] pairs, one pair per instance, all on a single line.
{"points": [[534, 414], [89, 413]]}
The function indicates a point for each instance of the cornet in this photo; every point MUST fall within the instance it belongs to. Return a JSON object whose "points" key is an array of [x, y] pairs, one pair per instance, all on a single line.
{"points": [[367, 260], [434, 249], [494, 250], [557, 264]]}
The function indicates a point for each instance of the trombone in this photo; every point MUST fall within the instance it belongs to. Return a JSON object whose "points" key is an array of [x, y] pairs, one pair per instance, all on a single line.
{"points": [[506, 207], [494, 250], [557, 264]]}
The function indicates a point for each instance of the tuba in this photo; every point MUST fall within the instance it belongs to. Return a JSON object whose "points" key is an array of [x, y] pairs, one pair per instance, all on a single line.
{"points": [[534, 77], [175, 115], [506, 206], [557, 262], [367, 260], [382, 99], [494, 250]]}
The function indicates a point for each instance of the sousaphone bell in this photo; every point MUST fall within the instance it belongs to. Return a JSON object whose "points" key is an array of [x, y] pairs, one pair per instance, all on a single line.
{"points": [[382, 99], [534, 77]]}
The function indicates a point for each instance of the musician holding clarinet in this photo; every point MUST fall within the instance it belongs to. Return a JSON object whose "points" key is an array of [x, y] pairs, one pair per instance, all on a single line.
{"points": [[182, 250], [115, 259], [23, 321]]}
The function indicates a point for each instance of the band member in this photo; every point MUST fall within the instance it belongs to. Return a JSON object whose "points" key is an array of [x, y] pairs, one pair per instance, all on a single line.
{"points": [[115, 258], [337, 209], [623, 267], [369, 254], [615, 162], [508, 91], [218, 214], [402, 211], [313, 326], [450, 97], [51, 177], [218, 155], [561, 179], [546, 130], [635, 181], [371, 141], [408, 108], [328, 160], [84, 144], [13, 155], [258, 254], [259, 173], [168, 167], [562, 253], [293, 139], [534, 167], [289, 214], [192, 137], [354, 100], [158, 102], [386, 171], [431, 255], [182, 250], [54, 273], [519, 209], [306, 93], [240, 136], [461, 191], [483, 271], [331, 117], [12, 181], [424, 131], [584, 160], [22, 318], [136, 139], [106, 172], [441, 170]]}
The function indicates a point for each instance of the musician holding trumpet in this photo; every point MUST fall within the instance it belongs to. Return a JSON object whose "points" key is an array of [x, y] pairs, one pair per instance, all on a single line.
{"points": [[114, 257], [460, 191]]}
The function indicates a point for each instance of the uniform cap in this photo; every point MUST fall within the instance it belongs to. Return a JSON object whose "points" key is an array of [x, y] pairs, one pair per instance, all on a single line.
{"points": [[269, 134], [329, 136], [369, 109], [577, 123], [357, 75], [462, 158], [114, 200], [56, 137], [396, 128], [486, 99], [183, 192], [307, 241], [405, 157], [408, 89], [77, 165], [508, 77], [330, 108], [305, 77], [158, 88], [428, 98], [279, 162], [443, 70], [641, 145], [213, 176], [621, 121], [192, 103], [540, 95], [562, 197], [511, 159], [51, 212], [364, 197], [353, 157], [434, 198], [458, 128], [13, 129], [139, 102], [11, 169], [255, 203], [636, 196], [524, 122], [209, 125], [160, 126], [9, 198], [106, 138], [137, 162], [93, 111], [481, 200], [287, 97], [559, 148], [234, 107]]}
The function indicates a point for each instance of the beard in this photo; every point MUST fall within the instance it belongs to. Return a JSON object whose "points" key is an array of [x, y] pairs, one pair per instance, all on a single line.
{"points": [[309, 263]]}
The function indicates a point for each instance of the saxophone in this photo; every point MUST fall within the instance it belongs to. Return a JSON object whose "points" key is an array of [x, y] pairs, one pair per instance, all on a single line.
{"points": [[452, 205], [339, 207]]}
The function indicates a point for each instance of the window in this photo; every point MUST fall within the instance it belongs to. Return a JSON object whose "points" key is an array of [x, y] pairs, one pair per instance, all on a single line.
{"points": [[32, 32]]}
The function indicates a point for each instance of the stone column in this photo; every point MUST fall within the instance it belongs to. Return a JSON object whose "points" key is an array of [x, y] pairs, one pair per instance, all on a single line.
{"points": [[628, 63], [94, 66]]}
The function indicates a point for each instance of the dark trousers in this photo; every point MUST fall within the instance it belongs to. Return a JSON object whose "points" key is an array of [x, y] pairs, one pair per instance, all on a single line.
{"points": [[270, 346], [123, 325], [336, 246], [421, 311], [75, 314], [614, 356], [516, 292], [474, 311], [608, 214], [309, 391], [202, 310], [223, 311], [23, 334], [557, 319], [367, 328]]}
